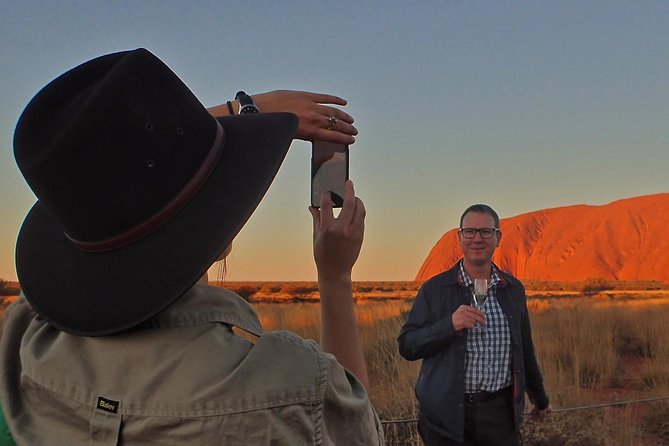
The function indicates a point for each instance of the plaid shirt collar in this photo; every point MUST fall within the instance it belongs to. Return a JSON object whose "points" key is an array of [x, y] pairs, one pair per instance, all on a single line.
{"points": [[496, 278]]}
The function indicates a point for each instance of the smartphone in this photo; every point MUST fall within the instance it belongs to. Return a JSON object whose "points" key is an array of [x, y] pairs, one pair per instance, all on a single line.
{"points": [[329, 171]]}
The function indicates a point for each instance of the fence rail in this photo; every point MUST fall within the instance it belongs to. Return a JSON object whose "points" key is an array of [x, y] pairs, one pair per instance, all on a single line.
{"points": [[405, 432]]}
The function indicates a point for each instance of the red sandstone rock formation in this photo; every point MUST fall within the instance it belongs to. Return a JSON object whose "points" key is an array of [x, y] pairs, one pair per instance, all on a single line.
{"points": [[624, 240]]}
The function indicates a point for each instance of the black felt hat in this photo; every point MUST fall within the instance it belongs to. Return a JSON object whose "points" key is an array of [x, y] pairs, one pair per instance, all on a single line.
{"points": [[139, 190]]}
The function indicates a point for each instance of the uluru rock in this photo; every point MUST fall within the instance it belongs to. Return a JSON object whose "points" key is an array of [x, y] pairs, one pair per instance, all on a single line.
{"points": [[624, 240]]}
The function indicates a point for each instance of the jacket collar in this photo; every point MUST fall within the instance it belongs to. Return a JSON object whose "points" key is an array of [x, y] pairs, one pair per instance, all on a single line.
{"points": [[452, 276], [464, 279]]}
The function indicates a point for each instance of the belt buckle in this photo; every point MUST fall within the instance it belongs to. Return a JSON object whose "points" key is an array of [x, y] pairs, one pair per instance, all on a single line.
{"points": [[471, 397]]}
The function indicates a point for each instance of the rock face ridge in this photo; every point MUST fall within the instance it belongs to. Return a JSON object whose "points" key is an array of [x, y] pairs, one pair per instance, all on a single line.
{"points": [[624, 240]]}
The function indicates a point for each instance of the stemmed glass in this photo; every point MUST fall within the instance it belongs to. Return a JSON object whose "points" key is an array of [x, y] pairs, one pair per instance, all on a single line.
{"points": [[480, 294]]}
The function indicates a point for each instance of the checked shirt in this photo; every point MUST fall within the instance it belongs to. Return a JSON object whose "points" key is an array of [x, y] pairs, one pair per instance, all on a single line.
{"points": [[488, 356]]}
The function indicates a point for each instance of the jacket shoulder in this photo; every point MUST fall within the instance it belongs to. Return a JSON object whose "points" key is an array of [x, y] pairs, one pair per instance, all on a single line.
{"points": [[512, 282]]}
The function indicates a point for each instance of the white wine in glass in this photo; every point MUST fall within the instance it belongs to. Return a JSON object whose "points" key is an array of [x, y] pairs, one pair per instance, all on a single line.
{"points": [[480, 292], [480, 295]]}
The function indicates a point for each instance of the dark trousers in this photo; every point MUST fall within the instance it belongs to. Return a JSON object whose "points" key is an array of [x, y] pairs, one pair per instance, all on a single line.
{"points": [[487, 423]]}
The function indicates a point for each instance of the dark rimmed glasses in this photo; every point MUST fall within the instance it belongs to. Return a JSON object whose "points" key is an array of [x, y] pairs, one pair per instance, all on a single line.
{"points": [[471, 232]]}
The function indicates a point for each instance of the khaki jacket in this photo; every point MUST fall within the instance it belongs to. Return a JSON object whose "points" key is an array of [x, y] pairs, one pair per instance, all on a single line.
{"points": [[183, 378]]}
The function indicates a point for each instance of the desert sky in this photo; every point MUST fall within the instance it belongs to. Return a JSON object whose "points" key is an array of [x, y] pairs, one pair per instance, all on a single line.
{"points": [[521, 105]]}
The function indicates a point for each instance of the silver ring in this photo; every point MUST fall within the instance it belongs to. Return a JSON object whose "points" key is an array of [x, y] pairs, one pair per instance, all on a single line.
{"points": [[333, 121]]}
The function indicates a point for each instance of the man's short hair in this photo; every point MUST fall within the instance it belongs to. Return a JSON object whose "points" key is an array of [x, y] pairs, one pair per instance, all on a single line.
{"points": [[482, 209]]}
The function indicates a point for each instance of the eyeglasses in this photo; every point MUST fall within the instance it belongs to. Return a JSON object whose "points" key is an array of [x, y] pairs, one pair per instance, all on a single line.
{"points": [[471, 232]]}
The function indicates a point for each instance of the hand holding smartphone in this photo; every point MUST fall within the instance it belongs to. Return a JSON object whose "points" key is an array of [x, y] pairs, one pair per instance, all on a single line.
{"points": [[329, 171]]}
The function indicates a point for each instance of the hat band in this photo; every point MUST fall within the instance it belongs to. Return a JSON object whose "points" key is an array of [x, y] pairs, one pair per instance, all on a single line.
{"points": [[168, 211]]}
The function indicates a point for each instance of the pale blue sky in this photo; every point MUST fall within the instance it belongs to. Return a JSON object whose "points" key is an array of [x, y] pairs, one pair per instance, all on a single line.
{"points": [[522, 105]]}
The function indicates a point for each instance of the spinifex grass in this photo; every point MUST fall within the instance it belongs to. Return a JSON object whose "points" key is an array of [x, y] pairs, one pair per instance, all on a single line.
{"points": [[591, 350], [597, 349]]}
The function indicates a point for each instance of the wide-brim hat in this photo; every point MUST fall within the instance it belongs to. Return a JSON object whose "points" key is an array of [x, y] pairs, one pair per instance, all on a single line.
{"points": [[139, 190]]}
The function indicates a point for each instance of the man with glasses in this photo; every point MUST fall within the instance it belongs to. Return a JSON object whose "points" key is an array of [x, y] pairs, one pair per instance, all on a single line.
{"points": [[477, 364]]}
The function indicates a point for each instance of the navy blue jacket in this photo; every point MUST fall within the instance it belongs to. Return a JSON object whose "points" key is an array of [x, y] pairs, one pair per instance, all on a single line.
{"points": [[428, 334]]}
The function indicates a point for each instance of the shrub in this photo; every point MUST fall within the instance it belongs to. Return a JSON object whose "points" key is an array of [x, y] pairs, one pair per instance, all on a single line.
{"points": [[8, 288], [594, 286], [247, 291], [271, 289], [300, 289]]}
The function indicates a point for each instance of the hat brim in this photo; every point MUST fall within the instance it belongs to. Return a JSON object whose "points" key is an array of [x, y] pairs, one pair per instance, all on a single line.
{"points": [[100, 293]]}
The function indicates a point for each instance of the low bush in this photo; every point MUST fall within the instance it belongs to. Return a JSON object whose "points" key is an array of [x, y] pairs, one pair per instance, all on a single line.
{"points": [[595, 286], [8, 288]]}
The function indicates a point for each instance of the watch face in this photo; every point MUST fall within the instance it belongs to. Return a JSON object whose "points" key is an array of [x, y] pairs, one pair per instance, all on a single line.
{"points": [[249, 109]]}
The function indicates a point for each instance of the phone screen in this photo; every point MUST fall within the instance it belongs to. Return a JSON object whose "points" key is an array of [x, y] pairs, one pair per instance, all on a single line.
{"points": [[329, 171]]}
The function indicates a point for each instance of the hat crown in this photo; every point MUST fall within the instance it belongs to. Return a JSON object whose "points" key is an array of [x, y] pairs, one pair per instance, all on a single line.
{"points": [[110, 143]]}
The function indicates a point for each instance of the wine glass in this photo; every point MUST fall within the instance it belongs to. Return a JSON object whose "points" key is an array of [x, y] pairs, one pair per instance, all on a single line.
{"points": [[480, 294]]}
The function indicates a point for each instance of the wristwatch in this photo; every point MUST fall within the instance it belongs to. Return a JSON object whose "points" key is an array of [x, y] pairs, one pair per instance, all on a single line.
{"points": [[246, 104]]}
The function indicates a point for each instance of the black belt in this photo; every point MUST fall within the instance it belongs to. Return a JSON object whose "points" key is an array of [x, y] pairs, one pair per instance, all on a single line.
{"points": [[480, 397]]}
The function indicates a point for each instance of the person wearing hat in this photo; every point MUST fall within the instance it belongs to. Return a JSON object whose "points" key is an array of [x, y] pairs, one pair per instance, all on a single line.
{"points": [[140, 189]]}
